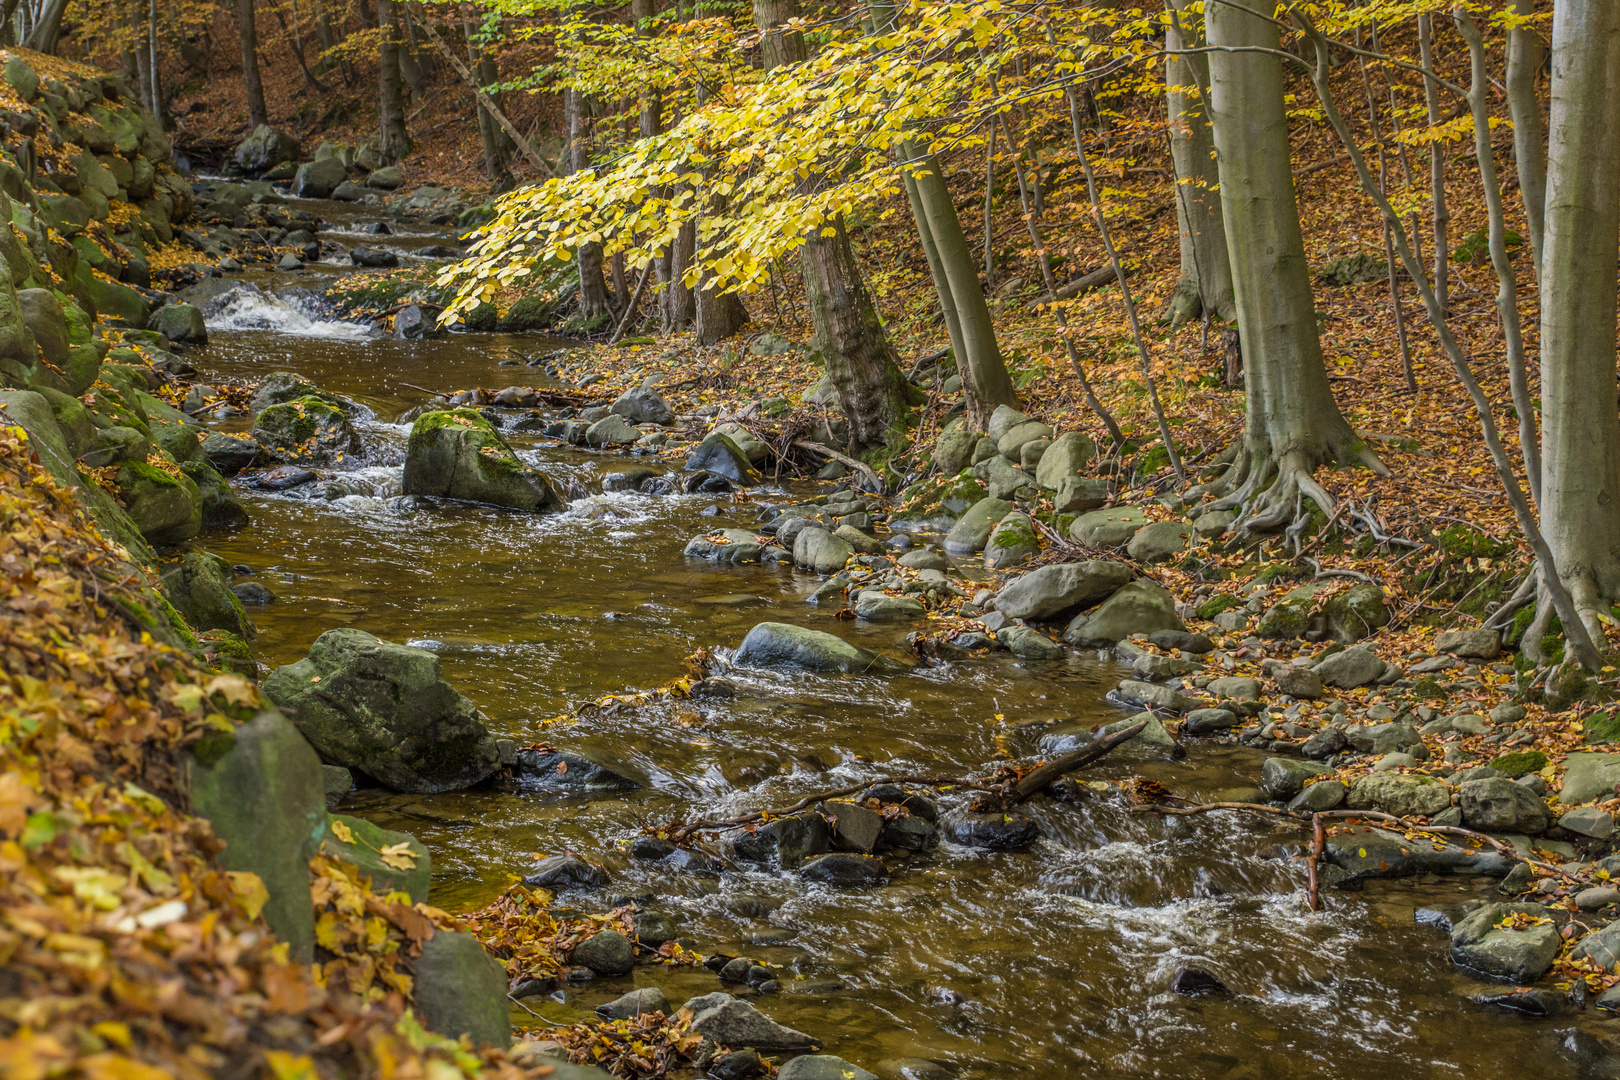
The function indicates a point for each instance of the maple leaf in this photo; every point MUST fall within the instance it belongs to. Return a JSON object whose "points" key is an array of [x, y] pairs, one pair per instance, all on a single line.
{"points": [[399, 856]]}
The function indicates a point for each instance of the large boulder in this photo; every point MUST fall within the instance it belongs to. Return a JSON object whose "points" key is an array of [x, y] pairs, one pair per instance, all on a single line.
{"points": [[781, 645], [821, 551], [643, 405], [282, 386], [160, 499], [261, 790], [1515, 942], [1400, 795], [1012, 541], [457, 454], [735, 1023], [197, 587], [1159, 542], [1053, 591], [42, 313], [461, 990], [266, 148], [318, 179], [718, 455], [972, 531], [953, 450], [1139, 607], [1068, 454], [1589, 776], [1498, 805], [1107, 528], [1350, 668], [385, 710], [306, 431], [1362, 853], [180, 323]]}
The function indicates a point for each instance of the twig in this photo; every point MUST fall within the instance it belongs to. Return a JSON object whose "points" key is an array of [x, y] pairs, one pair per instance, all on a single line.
{"points": [[630, 309], [424, 389], [827, 451]]}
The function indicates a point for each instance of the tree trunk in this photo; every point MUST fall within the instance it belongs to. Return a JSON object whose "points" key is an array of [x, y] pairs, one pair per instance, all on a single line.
{"points": [[393, 140], [1524, 58], [1292, 423], [1580, 432], [848, 335], [1437, 170], [247, 27], [1205, 287], [593, 297], [675, 305], [719, 315]]}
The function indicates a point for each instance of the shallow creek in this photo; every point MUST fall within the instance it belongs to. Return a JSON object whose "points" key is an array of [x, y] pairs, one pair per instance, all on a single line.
{"points": [[1054, 962]]}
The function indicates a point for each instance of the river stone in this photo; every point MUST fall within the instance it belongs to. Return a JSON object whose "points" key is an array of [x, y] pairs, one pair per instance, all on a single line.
{"points": [[991, 832], [1296, 681], [1003, 420], [560, 872], [612, 430], [1362, 853], [1381, 739], [1001, 478], [576, 769], [1473, 644], [458, 454], [280, 387], [308, 430], [645, 1000], [1029, 643], [1350, 668], [364, 852], [752, 446], [1138, 607], [1283, 778], [1153, 736], [607, 952], [1602, 947], [853, 827], [719, 456], [730, 1022], [260, 788], [774, 644], [318, 179], [953, 450], [461, 990], [43, 315], [264, 149], [729, 547], [1080, 494], [819, 550], [655, 928], [1107, 528], [1064, 458], [846, 870], [1497, 805], [785, 842], [1400, 795], [1013, 442], [1156, 668], [1589, 821], [1319, 797], [1518, 956], [1153, 696], [1011, 542], [1588, 776], [926, 558], [1159, 542], [1235, 687], [165, 507], [972, 531], [385, 710], [197, 587], [1209, 721], [643, 405], [230, 454], [1052, 591], [875, 606], [857, 540], [823, 1067]]}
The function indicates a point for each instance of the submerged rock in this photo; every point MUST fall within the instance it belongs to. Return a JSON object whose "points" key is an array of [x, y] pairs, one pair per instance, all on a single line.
{"points": [[1516, 955], [457, 454], [385, 710], [773, 644], [561, 871]]}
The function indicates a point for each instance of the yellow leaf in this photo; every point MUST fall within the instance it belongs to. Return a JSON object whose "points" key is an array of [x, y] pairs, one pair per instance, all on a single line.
{"points": [[290, 1066], [399, 856], [342, 831], [251, 895]]}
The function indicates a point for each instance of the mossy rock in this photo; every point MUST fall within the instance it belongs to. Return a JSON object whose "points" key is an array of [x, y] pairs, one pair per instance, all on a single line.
{"points": [[220, 506], [529, 313], [1520, 762], [482, 319], [1462, 542], [306, 430], [1354, 269], [1601, 727], [1476, 246], [1216, 604], [165, 505], [457, 454], [363, 850], [226, 652], [1356, 613], [196, 584], [1291, 616]]}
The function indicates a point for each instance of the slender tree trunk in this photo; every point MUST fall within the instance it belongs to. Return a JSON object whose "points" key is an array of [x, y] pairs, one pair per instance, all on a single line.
{"points": [[1580, 468], [720, 315], [1437, 169], [593, 296], [393, 140], [296, 41], [247, 27], [848, 335], [1292, 422], [1524, 58], [675, 305], [1205, 287]]}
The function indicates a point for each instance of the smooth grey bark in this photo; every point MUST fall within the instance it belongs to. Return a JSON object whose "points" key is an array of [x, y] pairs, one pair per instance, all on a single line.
{"points": [[594, 305], [393, 140], [1292, 424], [1525, 56], [847, 335], [248, 31], [1437, 167], [1580, 469], [1205, 285], [936, 269], [676, 307]]}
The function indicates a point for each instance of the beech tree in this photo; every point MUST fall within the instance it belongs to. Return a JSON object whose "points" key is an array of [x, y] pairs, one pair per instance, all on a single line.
{"points": [[1205, 286], [1292, 424], [1580, 430], [247, 27], [393, 140]]}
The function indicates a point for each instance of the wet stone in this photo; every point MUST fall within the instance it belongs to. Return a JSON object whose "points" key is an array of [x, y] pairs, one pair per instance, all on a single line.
{"points": [[607, 952], [563, 871], [645, 1000], [992, 832], [846, 870]]}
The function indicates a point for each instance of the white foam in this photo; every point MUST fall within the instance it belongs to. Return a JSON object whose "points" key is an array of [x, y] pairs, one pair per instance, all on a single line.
{"points": [[246, 307]]}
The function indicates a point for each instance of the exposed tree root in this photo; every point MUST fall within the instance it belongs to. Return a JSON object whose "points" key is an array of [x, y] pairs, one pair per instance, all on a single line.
{"points": [[1269, 493]]}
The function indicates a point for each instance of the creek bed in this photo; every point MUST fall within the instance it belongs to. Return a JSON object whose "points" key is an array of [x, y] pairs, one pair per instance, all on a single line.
{"points": [[1054, 962]]}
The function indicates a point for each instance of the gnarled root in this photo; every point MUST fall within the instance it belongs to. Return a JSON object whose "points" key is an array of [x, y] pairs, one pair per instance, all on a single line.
{"points": [[1270, 493]]}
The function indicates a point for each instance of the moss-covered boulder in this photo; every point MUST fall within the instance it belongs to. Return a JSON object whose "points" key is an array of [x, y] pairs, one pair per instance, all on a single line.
{"points": [[264, 149], [112, 300], [385, 710], [529, 313], [227, 652], [283, 386], [162, 501], [1139, 607], [260, 788], [1356, 613], [461, 990], [197, 585], [220, 506], [457, 454], [1011, 542], [182, 323], [376, 853], [1291, 616], [308, 430]]}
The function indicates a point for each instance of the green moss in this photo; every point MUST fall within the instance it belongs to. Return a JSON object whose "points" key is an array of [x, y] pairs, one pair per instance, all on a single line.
{"points": [[1428, 688], [1217, 604], [177, 622], [1520, 762], [1602, 727], [1014, 537], [460, 417], [1463, 542], [151, 475]]}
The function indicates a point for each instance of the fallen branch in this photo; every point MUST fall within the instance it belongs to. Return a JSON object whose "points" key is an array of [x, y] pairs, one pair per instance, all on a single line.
{"points": [[630, 309], [424, 389], [1038, 778], [1096, 279], [827, 451]]}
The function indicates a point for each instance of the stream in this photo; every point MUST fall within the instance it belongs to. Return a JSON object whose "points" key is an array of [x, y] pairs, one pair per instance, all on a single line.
{"points": [[1053, 962]]}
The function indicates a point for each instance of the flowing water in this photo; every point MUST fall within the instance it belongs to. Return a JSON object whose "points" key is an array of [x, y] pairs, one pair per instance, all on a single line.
{"points": [[1055, 962]]}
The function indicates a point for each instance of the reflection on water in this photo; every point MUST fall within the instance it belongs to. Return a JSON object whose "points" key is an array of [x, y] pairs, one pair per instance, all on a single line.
{"points": [[1050, 963]]}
